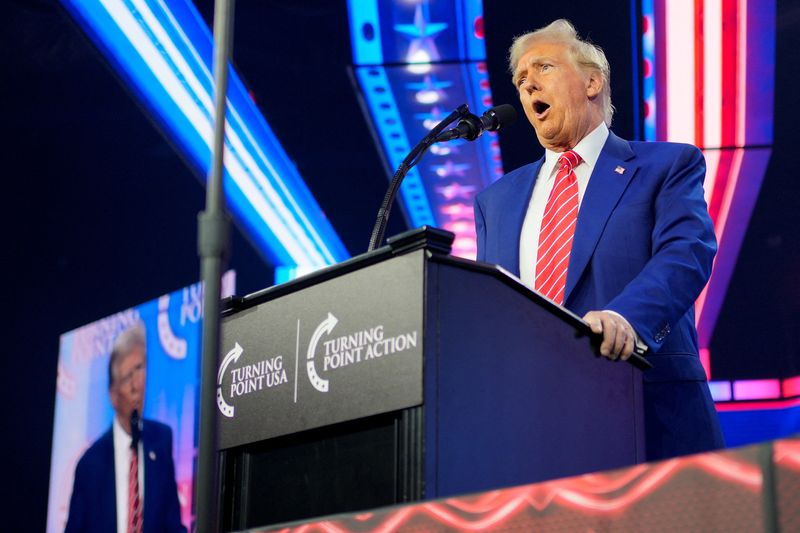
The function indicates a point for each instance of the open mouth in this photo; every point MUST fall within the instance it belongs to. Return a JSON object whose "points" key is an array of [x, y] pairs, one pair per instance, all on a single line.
{"points": [[540, 108]]}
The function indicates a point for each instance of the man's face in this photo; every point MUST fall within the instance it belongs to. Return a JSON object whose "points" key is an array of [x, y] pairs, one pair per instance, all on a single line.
{"points": [[127, 392], [559, 98]]}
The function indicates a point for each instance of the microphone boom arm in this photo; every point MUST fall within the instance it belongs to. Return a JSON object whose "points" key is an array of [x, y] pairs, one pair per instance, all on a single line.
{"points": [[407, 164]]}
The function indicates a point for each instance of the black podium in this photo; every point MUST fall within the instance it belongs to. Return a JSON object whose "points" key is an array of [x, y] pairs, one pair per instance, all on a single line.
{"points": [[407, 374]]}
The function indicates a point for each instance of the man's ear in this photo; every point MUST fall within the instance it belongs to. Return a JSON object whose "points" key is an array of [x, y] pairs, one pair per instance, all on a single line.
{"points": [[114, 396], [594, 84]]}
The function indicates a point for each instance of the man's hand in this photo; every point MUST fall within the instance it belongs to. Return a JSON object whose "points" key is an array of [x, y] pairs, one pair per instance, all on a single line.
{"points": [[618, 336]]}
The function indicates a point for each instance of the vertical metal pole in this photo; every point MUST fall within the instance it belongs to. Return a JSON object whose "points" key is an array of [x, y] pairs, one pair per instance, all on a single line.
{"points": [[212, 244]]}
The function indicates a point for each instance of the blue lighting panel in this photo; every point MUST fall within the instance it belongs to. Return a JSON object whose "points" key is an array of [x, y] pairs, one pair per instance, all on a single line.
{"points": [[649, 69], [751, 426], [164, 50], [433, 61], [389, 32]]}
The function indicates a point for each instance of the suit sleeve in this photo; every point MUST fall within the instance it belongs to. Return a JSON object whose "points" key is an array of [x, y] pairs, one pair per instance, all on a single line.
{"points": [[78, 505], [682, 252]]}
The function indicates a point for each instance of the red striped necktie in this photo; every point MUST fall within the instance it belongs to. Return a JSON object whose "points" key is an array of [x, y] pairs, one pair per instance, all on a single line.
{"points": [[134, 502], [558, 228]]}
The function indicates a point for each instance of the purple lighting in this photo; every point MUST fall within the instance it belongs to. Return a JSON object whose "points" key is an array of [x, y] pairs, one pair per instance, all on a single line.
{"points": [[757, 389]]}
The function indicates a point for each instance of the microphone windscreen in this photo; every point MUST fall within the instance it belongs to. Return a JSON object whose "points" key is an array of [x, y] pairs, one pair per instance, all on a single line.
{"points": [[136, 432], [506, 115]]}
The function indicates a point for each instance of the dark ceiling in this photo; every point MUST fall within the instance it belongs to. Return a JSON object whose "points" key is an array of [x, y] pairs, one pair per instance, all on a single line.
{"points": [[100, 212]]}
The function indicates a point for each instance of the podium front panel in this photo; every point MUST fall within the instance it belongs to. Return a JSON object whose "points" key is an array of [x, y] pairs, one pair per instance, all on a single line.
{"points": [[341, 350]]}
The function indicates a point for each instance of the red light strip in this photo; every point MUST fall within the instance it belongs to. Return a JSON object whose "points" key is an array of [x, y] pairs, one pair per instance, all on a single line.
{"points": [[791, 387], [758, 406]]}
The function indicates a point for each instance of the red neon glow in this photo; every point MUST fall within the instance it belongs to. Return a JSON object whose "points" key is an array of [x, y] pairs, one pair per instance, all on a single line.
{"points": [[647, 68], [767, 405], [712, 73], [729, 72], [786, 454], [741, 74], [791, 387], [727, 194], [477, 27], [608, 494], [705, 360], [699, 71]]}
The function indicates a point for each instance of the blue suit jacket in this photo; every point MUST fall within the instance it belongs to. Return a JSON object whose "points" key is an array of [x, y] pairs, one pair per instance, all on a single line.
{"points": [[93, 506], [643, 247]]}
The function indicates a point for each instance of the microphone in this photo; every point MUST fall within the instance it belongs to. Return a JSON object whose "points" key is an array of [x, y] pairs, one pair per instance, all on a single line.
{"points": [[136, 432], [471, 126]]}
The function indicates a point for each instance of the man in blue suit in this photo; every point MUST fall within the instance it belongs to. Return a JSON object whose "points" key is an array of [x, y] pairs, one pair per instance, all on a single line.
{"points": [[101, 495], [616, 231]]}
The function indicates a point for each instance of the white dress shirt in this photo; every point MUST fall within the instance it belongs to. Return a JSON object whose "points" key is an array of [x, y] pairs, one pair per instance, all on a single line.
{"points": [[589, 149], [122, 464]]}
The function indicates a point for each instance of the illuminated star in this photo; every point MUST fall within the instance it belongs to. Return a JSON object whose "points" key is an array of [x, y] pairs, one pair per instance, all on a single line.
{"points": [[429, 90], [455, 190], [450, 169], [429, 83], [458, 210], [421, 33], [429, 120]]}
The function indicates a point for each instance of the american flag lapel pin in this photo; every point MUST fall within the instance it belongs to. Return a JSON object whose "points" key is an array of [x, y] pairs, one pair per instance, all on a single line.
{"points": [[619, 170]]}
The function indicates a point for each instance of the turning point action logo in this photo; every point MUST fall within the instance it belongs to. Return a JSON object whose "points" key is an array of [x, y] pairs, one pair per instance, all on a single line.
{"points": [[352, 348], [338, 352]]}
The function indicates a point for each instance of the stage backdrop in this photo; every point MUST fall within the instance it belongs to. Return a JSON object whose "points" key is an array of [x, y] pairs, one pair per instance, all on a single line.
{"points": [[83, 411]]}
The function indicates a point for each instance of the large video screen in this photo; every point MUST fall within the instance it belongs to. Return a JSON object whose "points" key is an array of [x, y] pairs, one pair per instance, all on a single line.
{"points": [[172, 326]]}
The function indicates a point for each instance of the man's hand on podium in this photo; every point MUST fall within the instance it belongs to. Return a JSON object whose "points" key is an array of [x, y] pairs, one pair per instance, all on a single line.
{"points": [[619, 338]]}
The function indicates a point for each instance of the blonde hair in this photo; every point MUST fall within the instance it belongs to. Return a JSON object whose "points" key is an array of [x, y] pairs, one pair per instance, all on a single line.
{"points": [[585, 54], [127, 341]]}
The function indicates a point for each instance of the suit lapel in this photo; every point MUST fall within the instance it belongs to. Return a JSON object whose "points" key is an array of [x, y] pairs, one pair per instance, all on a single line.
{"points": [[151, 488], [605, 187], [513, 215]]}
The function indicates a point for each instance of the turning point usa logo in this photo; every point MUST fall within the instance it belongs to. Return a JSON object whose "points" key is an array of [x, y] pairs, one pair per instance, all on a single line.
{"points": [[353, 348], [247, 379], [335, 353]]}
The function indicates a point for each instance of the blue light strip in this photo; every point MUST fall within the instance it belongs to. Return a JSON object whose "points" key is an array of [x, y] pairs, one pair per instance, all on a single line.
{"points": [[164, 50], [365, 32]]}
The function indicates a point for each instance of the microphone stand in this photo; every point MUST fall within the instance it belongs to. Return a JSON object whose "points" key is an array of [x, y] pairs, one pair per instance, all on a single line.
{"points": [[411, 159], [212, 246]]}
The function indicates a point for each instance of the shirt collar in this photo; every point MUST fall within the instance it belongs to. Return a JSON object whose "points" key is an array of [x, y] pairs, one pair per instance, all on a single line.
{"points": [[588, 148]]}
